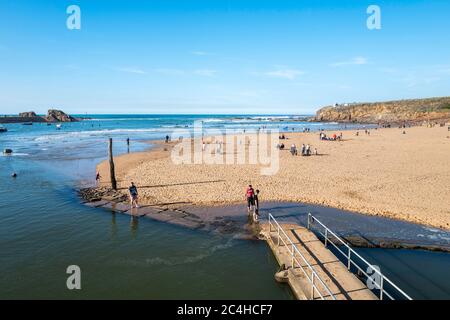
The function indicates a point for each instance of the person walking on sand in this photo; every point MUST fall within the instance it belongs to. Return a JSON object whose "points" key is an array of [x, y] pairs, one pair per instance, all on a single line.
{"points": [[133, 193], [249, 194], [97, 178]]}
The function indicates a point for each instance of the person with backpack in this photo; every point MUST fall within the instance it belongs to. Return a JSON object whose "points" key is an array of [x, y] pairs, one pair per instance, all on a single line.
{"points": [[250, 196]]}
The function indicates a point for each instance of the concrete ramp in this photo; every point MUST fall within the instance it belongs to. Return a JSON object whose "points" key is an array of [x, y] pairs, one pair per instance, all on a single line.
{"points": [[342, 284]]}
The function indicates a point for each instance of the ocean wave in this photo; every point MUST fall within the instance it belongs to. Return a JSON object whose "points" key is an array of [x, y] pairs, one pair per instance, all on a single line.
{"points": [[15, 154], [123, 119], [212, 120], [93, 133]]}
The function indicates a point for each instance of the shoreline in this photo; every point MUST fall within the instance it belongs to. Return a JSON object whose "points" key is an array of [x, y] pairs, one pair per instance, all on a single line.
{"points": [[231, 220], [154, 164]]}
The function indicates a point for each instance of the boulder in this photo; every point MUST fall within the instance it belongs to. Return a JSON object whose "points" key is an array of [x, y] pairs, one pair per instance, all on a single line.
{"points": [[29, 114], [58, 116]]}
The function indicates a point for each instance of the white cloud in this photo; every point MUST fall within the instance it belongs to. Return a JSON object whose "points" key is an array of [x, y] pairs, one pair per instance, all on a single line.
{"points": [[131, 70], [289, 74], [205, 72], [357, 61]]}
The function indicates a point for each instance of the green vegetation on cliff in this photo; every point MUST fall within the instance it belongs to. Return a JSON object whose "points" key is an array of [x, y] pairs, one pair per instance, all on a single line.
{"points": [[391, 111]]}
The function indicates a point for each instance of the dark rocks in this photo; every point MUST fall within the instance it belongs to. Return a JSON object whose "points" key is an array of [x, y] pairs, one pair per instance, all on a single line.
{"points": [[29, 114], [7, 151], [102, 193], [54, 115], [30, 117]]}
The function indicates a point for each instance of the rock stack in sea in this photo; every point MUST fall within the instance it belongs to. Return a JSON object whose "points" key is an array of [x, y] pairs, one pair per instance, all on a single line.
{"points": [[54, 115]]}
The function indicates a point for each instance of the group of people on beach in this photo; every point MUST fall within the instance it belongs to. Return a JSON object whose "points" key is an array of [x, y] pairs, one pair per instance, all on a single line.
{"points": [[252, 198], [306, 150], [333, 137]]}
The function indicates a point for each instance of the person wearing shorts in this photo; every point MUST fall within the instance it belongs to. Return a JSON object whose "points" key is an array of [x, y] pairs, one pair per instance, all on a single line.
{"points": [[249, 194], [133, 193]]}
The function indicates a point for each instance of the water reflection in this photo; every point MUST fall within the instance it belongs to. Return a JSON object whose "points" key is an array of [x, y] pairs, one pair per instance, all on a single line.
{"points": [[113, 226], [134, 222]]}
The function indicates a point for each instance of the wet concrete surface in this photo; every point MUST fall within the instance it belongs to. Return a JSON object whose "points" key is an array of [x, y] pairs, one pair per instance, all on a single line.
{"points": [[358, 229]]}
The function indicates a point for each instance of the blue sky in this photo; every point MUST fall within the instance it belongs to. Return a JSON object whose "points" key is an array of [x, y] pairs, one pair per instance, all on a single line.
{"points": [[213, 56]]}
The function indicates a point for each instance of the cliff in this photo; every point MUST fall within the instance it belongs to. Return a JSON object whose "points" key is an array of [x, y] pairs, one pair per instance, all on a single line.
{"points": [[391, 111]]}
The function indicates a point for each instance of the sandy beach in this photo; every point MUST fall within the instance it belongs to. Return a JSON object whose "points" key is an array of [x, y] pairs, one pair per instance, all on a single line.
{"points": [[386, 173]]}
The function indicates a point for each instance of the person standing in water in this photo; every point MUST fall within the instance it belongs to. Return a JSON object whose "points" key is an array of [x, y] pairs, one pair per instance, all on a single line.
{"points": [[256, 211], [133, 193], [128, 145], [249, 194]]}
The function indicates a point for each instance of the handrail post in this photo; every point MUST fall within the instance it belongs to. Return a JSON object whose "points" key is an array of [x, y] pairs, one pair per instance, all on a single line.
{"points": [[349, 259], [312, 285], [270, 225], [312, 219], [309, 216], [292, 257], [278, 236]]}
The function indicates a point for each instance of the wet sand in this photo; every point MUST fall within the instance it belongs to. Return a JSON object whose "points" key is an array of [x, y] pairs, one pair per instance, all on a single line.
{"points": [[389, 174]]}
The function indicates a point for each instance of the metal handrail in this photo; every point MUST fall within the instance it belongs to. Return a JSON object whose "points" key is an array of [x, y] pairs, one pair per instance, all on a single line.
{"points": [[350, 253], [293, 251]]}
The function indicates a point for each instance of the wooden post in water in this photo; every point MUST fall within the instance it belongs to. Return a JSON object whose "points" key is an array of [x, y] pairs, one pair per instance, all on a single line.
{"points": [[112, 172]]}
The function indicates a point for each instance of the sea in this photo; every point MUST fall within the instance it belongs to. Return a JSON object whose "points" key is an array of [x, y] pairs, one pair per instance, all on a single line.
{"points": [[45, 228]]}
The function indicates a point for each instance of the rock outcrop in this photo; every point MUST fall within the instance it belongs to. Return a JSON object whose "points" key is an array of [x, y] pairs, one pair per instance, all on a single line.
{"points": [[29, 114], [58, 116], [392, 111]]}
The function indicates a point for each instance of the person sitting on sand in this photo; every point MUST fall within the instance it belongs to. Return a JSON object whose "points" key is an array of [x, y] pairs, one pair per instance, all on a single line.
{"points": [[250, 196], [133, 193], [315, 152], [308, 150], [303, 149]]}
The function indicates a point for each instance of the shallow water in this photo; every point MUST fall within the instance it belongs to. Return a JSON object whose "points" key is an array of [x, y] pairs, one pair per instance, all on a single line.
{"points": [[44, 228]]}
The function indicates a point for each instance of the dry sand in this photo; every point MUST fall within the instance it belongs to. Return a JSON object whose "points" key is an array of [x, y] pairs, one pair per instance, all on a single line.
{"points": [[402, 176]]}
